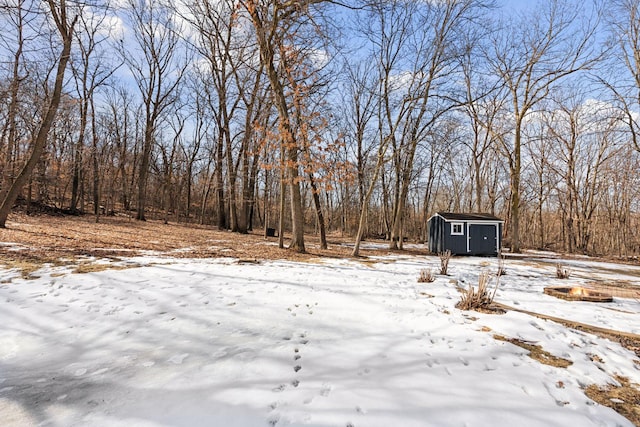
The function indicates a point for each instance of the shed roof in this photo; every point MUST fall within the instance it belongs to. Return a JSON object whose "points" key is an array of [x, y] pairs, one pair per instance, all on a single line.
{"points": [[450, 216]]}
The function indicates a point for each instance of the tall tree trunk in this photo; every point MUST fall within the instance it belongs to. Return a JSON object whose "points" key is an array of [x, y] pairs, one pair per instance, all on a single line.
{"points": [[541, 221], [79, 149], [231, 174], [283, 190], [316, 202], [367, 197], [297, 214], [478, 185], [515, 192], [222, 220], [243, 215], [96, 164], [250, 196], [189, 183], [143, 173]]}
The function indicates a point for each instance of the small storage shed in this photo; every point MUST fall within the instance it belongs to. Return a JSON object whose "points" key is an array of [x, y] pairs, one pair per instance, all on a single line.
{"points": [[465, 233]]}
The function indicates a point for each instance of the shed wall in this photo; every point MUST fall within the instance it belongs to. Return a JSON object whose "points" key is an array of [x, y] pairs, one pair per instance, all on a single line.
{"points": [[436, 234], [457, 244], [441, 239]]}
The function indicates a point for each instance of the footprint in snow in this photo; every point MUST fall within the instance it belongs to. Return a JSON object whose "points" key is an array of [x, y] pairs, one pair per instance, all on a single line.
{"points": [[535, 325], [325, 390], [365, 371], [274, 420], [178, 359]]}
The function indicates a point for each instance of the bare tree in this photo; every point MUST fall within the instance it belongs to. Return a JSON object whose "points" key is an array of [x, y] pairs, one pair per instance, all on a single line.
{"points": [[257, 108], [418, 52], [382, 149], [619, 228], [64, 18], [158, 65], [484, 102], [359, 109], [120, 119], [585, 137], [19, 18], [624, 66], [169, 164], [542, 179], [216, 23], [91, 70], [530, 55], [192, 151]]}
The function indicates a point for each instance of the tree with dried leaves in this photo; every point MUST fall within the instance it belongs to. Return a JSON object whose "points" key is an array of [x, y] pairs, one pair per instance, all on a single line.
{"points": [[274, 22]]}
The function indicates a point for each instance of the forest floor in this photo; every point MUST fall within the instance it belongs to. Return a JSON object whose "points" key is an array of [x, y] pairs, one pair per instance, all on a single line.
{"points": [[54, 238]]}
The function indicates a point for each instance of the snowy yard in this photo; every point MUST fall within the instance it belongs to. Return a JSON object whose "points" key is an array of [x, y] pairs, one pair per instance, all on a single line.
{"points": [[180, 342]]}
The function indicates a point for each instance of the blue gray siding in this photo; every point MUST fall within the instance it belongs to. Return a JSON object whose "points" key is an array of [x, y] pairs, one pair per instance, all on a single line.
{"points": [[478, 238]]}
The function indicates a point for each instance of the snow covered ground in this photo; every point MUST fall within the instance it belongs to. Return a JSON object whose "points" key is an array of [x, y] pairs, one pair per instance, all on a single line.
{"points": [[176, 342]]}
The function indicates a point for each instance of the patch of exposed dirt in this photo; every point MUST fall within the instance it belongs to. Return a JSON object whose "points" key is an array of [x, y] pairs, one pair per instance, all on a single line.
{"points": [[88, 267], [26, 267], [624, 398], [536, 352]]}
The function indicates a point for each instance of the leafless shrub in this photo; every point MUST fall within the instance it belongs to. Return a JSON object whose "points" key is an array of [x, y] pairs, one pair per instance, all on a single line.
{"points": [[501, 270], [479, 299], [426, 276], [561, 272], [444, 261]]}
